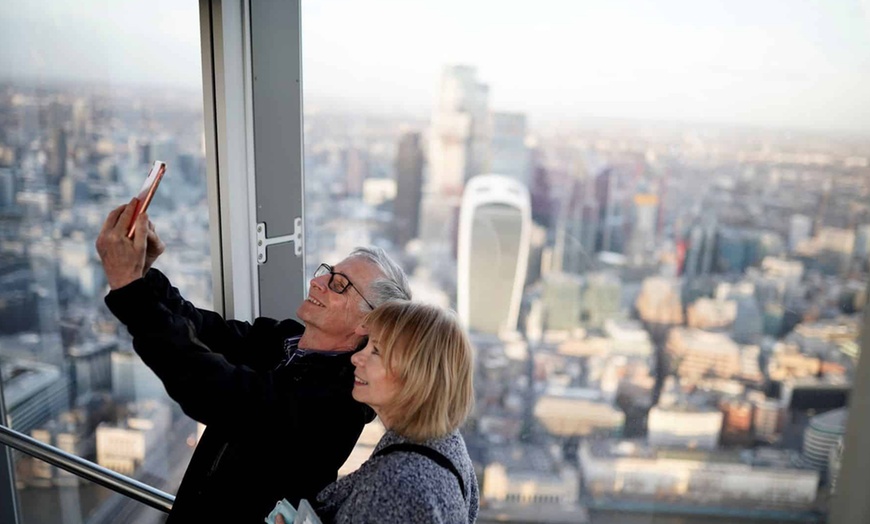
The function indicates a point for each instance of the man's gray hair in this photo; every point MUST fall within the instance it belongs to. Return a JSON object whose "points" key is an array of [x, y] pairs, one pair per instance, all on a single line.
{"points": [[394, 284]]}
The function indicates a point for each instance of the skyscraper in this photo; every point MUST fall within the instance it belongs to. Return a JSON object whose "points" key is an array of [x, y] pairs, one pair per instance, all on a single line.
{"points": [[701, 248], [643, 232], [577, 224], [508, 154], [56, 166], [409, 188], [494, 238], [457, 148], [862, 242], [611, 211], [7, 189], [459, 139]]}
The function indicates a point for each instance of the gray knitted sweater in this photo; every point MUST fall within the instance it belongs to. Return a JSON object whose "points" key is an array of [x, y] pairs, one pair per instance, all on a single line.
{"points": [[404, 487]]}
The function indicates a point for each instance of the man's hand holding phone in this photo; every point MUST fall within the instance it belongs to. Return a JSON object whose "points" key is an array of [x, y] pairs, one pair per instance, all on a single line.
{"points": [[123, 258], [128, 243]]}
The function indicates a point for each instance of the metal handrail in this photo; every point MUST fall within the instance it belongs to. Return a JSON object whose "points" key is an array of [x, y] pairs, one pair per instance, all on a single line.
{"points": [[88, 470]]}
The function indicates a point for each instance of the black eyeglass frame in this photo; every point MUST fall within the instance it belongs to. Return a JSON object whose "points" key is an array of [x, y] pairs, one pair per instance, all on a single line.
{"points": [[323, 269]]}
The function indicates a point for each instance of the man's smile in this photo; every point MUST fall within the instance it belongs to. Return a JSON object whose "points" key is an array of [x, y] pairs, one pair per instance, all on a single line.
{"points": [[315, 301]]}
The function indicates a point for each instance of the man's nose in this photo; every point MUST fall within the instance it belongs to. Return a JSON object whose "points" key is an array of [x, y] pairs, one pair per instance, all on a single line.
{"points": [[320, 282]]}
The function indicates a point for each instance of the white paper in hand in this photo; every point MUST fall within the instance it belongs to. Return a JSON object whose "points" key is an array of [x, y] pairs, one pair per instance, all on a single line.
{"points": [[305, 514]]}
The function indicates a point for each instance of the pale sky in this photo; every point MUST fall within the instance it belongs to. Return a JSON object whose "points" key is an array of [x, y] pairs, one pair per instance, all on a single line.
{"points": [[760, 62]]}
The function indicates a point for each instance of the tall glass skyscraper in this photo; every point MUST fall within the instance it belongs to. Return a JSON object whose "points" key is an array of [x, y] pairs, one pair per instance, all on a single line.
{"points": [[458, 143], [494, 239]]}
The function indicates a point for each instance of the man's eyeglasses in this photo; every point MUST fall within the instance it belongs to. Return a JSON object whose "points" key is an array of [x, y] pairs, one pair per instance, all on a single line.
{"points": [[338, 282]]}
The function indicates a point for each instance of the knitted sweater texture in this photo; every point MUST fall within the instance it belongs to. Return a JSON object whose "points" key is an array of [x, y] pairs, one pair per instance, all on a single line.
{"points": [[404, 487]]}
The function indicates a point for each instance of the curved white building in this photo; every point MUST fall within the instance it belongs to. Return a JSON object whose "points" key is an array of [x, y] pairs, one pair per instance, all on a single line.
{"points": [[495, 223], [822, 435]]}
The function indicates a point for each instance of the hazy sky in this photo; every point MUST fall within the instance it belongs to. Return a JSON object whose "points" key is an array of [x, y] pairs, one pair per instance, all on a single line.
{"points": [[762, 62]]}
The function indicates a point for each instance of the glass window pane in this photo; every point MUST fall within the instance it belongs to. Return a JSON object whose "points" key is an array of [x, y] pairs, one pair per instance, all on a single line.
{"points": [[653, 219], [92, 94]]}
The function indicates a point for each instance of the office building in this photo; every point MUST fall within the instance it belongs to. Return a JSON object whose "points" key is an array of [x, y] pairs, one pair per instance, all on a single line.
{"points": [[460, 134], [862, 243], [659, 302], [822, 436], [132, 380], [602, 294], [494, 241], [35, 393], [788, 362], [684, 426], [736, 422], [767, 418], [7, 189], [628, 339], [576, 225], [830, 250], [409, 188], [91, 367], [630, 471], [561, 300], [528, 476], [711, 314], [124, 447], [458, 146], [700, 250], [508, 154], [575, 412], [642, 243], [694, 354], [56, 168]]}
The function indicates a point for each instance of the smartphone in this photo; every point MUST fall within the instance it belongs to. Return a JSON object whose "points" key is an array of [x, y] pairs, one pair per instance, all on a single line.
{"points": [[147, 193]]}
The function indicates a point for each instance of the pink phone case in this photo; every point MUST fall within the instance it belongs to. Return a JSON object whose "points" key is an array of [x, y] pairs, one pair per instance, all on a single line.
{"points": [[147, 193]]}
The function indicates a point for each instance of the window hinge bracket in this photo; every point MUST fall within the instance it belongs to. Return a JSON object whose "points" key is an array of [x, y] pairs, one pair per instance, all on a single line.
{"points": [[263, 242]]}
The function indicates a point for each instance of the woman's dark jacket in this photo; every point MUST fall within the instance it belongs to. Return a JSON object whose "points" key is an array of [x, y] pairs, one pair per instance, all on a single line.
{"points": [[273, 430]]}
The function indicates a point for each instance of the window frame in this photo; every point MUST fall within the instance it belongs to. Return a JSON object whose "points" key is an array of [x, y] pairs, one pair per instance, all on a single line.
{"points": [[254, 185]]}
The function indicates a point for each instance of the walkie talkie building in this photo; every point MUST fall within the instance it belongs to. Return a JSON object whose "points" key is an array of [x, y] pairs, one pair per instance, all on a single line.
{"points": [[494, 237]]}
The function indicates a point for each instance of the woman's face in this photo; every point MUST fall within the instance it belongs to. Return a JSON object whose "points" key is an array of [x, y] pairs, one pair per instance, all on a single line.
{"points": [[373, 385]]}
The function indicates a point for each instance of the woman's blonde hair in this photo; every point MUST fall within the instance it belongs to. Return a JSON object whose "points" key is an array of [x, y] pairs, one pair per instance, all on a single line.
{"points": [[427, 351]]}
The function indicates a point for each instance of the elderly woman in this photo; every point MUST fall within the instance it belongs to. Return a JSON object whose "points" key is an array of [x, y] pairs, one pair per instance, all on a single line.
{"points": [[416, 373]]}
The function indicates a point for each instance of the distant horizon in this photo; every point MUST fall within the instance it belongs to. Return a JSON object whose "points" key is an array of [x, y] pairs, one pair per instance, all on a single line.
{"points": [[343, 108], [777, 64]]}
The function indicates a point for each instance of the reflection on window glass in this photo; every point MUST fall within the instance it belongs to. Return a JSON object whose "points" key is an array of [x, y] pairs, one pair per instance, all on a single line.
{"points": [[88, 100], [690, 284]]}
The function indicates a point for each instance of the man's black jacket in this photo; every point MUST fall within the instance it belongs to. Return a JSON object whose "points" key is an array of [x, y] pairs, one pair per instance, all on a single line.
{"points": [[271, 433]]}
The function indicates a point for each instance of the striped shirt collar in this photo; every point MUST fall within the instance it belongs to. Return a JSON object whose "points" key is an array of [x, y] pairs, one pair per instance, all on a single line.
{"points": [[292, 351]]}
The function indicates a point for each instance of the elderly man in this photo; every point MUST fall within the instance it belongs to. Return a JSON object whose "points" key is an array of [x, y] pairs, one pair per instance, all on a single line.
{"points": [[276, 396]]}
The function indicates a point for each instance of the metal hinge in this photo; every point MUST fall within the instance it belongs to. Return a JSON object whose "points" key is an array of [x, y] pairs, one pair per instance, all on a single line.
{"points": [[263, 242]]}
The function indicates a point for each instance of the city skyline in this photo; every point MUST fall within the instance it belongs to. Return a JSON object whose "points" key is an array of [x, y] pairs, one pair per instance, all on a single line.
{"points": [[664, 317], [746, 63], [626, 352]]}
